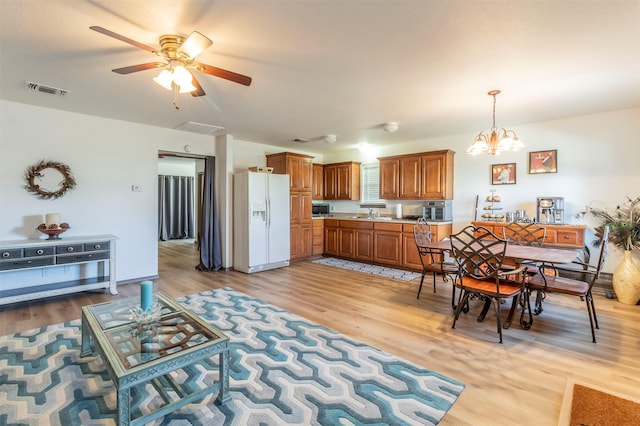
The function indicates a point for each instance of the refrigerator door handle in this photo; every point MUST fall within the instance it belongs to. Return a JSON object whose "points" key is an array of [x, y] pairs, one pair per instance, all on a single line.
{"points": [[268, 218]]}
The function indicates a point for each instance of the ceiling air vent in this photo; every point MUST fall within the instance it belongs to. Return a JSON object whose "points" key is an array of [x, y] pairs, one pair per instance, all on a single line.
{"points": [[37, 87], [192, 126]]}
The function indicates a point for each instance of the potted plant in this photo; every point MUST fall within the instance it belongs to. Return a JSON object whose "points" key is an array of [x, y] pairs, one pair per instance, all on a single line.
{"points": [[624, 228]]}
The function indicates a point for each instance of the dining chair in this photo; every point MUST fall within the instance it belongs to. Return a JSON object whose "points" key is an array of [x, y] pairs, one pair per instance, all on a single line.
{"points": [[524, 234], [550, 280], [480, 255], [432, 260]]}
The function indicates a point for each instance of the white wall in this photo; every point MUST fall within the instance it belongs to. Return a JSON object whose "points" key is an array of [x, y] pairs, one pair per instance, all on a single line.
{"points": [[106, 157]]}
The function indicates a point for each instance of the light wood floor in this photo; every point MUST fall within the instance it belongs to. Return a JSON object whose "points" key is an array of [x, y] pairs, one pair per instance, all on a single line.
{"points": [[519, 382]]}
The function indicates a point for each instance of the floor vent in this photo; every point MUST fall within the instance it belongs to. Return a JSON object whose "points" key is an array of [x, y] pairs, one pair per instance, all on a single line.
{"points": [[37, 87], [192, 126]]}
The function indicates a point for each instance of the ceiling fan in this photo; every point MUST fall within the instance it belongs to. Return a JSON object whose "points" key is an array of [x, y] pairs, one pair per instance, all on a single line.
{"points": [[179, 56]]}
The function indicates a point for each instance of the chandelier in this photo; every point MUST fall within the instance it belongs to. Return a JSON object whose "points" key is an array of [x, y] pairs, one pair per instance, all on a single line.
{"points": [[500, 140]]}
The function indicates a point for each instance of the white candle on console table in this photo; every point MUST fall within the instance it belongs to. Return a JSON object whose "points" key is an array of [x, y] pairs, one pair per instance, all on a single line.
{"points": [[52, 219]]}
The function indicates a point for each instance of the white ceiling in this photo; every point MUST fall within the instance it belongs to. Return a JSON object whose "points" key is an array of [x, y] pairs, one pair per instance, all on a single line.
{"points": [[332, 67]]}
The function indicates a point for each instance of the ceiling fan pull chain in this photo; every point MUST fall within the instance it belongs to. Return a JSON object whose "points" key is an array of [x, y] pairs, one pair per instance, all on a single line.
{"points": [[175, 95]]}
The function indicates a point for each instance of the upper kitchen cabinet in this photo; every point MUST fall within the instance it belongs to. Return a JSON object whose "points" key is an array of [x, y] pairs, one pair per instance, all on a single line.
{"points": [[427, 175], [318, 182], [342, 181], [299, 167], [437, 175]]}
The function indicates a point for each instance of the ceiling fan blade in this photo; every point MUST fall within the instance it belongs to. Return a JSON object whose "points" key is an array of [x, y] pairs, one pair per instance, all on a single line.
{"points": [[195, 44], [199, 91], [140, 67], [219, 72], [125, 39]]}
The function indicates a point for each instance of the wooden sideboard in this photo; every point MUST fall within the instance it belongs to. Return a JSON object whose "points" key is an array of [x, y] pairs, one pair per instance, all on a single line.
{"points": [[34, 269], [557, 235]]}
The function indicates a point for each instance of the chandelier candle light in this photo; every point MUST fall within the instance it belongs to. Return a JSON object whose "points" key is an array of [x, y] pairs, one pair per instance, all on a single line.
{"points": [[500, 140]]}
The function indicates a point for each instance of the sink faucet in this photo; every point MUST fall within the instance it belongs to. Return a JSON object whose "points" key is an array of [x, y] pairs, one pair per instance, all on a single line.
{"points": [[370, 213]]}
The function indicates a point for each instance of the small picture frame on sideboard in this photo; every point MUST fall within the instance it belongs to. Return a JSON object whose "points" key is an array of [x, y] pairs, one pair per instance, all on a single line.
{"points": [[543, 162]]}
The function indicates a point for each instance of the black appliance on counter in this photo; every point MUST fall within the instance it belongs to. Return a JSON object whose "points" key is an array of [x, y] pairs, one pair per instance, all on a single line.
{"points": [[320, 209], [438, 210]]}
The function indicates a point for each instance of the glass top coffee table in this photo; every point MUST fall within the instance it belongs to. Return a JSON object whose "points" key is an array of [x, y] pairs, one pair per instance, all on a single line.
{"points": [[136, 354]]}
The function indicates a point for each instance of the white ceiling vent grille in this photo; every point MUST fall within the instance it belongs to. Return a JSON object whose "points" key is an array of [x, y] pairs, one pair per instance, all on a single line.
{"points": [[37, 87], [192, 126]]}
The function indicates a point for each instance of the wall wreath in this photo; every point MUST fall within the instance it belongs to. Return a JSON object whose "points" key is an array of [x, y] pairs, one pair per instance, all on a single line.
{"points": [[44, 179]]}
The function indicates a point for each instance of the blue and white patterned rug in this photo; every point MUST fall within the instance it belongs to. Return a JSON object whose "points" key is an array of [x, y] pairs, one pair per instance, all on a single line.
{"points": [[383, 271], [284, 370]]}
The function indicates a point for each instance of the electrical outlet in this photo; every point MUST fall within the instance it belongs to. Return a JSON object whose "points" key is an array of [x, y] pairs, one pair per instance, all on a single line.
{"points": [[333, 208], [136, 188]]}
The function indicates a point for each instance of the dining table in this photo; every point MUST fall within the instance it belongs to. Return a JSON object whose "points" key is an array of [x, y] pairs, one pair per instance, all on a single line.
{"points": [[519, 254]]}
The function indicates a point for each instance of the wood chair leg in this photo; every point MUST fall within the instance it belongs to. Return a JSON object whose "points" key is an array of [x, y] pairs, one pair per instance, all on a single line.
{"points": [[434, 282]]}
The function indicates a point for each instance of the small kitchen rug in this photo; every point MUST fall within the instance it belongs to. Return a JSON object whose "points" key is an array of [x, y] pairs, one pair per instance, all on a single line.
{"points": [[397, 274]]}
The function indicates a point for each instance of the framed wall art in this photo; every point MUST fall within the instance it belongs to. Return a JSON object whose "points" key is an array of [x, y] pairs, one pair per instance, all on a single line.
{"points": [[543, 162], [503, 174]]}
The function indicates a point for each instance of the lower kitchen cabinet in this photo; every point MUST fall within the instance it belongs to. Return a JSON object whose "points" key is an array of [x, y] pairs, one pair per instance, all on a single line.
{"points": [[384, 243], [301, 236], [387, 243], [331, 237], [318, 237]]}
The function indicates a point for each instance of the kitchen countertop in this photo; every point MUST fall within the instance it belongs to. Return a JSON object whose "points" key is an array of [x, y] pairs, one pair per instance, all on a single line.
{"points": [[383, 219]]}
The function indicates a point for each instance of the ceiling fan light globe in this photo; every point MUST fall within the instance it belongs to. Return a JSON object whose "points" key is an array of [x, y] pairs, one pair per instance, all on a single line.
{"points": [[195, 44], [187, 88], [164, 79], [181, 76]]}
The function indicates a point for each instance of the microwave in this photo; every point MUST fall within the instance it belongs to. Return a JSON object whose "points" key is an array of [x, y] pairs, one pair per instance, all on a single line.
{"points": [[437, 211], [320, 209]]}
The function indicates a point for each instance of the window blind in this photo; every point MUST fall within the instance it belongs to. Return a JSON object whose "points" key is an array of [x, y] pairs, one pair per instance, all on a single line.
{"points": [[371, 184]]}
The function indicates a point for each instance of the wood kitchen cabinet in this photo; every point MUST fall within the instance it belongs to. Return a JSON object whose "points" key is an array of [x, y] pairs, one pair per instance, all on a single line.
{"points": [[317, 190], [331, 237], [410, 256], [437, 175], [356, 239], [387, 243], [342, 181], [318, 237], [427, 175], [556, 235], [299, 167]]}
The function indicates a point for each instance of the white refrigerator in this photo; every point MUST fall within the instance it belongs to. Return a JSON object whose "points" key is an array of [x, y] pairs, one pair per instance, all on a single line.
{"points": [[261, 221]]}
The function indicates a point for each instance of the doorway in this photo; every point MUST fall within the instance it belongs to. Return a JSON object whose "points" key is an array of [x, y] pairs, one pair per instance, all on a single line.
{"points": [[184, 173]]}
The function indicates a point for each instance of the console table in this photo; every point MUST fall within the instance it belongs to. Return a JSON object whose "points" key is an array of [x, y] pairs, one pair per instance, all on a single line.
{"points": [[33, 268]]}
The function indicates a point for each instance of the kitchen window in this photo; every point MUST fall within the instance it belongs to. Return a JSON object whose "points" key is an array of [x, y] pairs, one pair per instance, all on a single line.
{"points": [[371, 184]]}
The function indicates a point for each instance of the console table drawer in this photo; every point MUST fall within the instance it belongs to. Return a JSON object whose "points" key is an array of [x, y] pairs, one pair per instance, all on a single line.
{"points": [[38, 251], [82, 257], [11, 254], [102, 245], [26, 263], [70, 248]]}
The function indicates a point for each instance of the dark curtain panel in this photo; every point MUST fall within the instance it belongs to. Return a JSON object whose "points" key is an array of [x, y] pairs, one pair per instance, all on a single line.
{"points": [[175, 207], [210, 246]]}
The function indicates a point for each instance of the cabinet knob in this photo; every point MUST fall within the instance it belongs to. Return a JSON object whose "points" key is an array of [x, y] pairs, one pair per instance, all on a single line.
{"points": [[39, 251], [96, 246], [69, 249], [6, 254]]}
